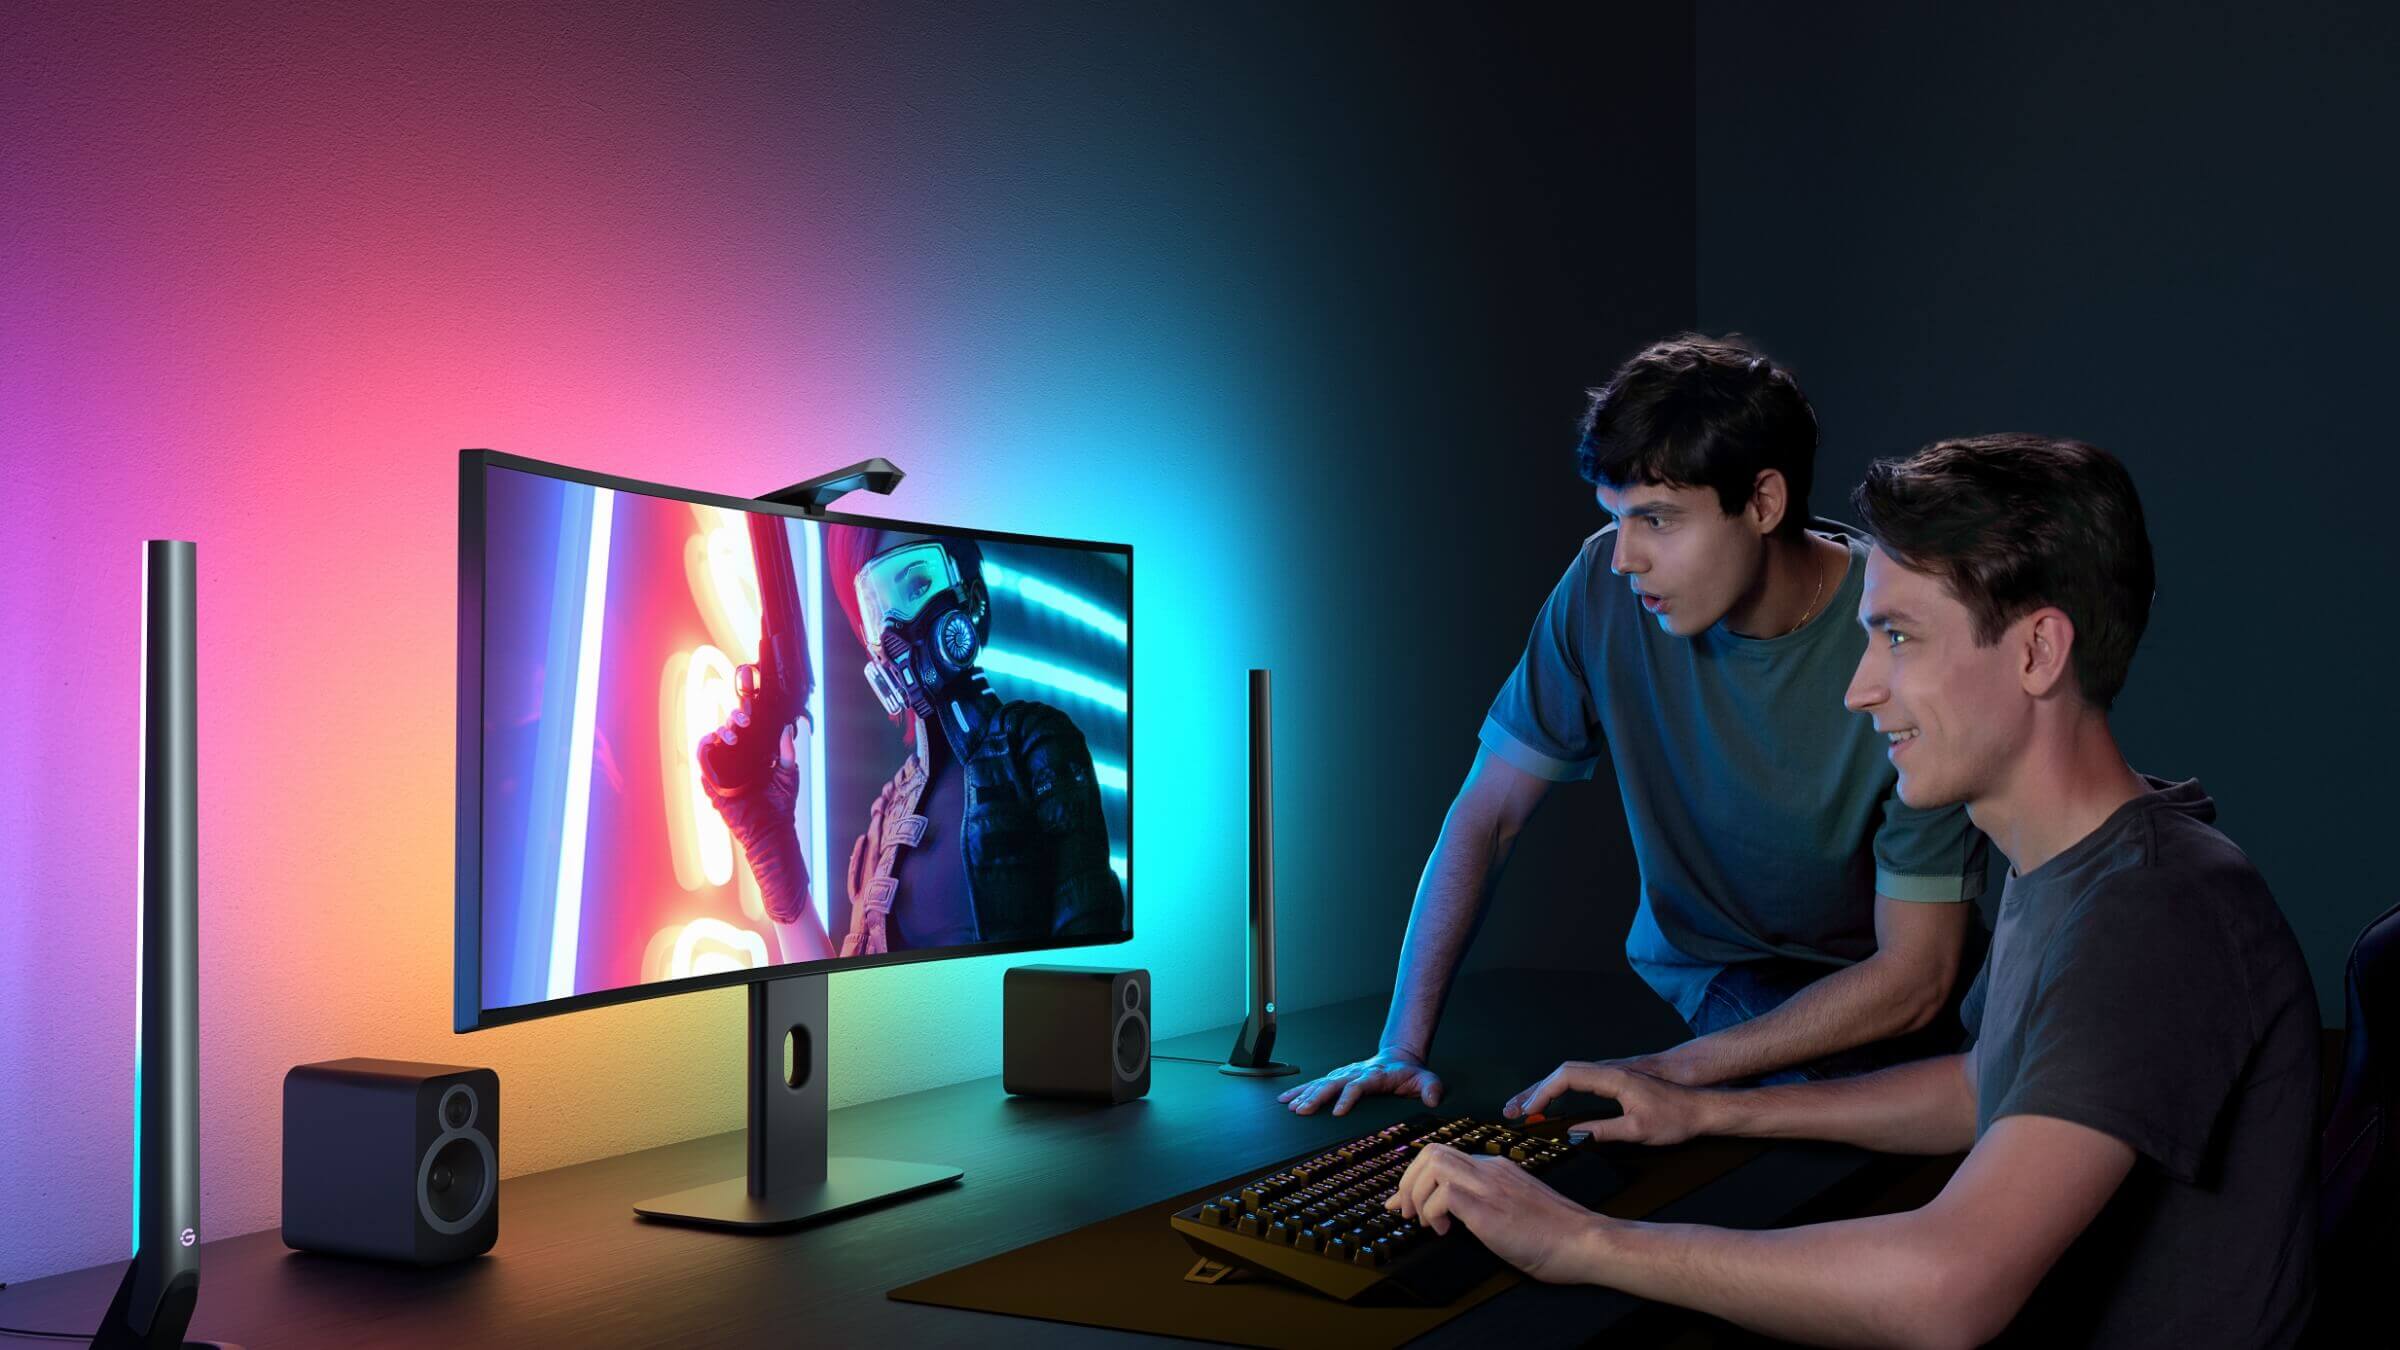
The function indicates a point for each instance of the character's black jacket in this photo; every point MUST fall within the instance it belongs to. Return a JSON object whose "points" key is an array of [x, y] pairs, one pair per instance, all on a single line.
{"points": [[1036, 844]]}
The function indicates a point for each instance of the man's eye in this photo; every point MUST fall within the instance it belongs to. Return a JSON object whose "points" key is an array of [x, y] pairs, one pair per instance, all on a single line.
{"points": [[1656, 522], [1897, 637]]}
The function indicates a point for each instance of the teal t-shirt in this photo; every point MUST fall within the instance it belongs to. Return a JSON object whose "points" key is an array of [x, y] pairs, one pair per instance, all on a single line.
{"points": [[1762, 810]]}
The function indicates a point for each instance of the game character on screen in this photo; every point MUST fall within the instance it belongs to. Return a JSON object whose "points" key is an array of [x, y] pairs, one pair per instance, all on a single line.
{"points": [[1029, 860]]}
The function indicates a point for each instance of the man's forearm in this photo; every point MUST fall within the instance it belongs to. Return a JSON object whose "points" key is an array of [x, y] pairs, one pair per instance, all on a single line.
{"points": [[1873, 1281], [1924, 1106], [1451, 894], [1852, 1006]]}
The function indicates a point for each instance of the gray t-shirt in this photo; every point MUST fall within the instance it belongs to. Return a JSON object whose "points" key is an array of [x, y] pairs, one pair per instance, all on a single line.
{"points": [[1762, 810], [2143, 983]]}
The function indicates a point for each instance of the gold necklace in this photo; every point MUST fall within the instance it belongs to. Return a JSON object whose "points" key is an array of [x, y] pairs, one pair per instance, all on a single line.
{"points": [[1817, 595]]}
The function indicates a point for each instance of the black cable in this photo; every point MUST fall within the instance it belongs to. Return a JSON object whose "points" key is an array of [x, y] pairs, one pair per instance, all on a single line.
{"points": [[41, 1335], [1187, 1059]]}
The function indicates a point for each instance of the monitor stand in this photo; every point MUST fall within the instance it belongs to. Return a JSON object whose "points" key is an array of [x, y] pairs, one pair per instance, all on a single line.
{"points": [[792, 1181]]}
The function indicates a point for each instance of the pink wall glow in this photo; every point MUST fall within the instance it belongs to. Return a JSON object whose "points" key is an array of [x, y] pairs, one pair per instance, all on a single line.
{"points": [[265, 273]]}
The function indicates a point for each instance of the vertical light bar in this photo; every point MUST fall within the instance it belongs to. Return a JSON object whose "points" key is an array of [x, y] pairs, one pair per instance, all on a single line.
{"points": [[141, 887], [1000, 661], [566, 914], [812, 605]]}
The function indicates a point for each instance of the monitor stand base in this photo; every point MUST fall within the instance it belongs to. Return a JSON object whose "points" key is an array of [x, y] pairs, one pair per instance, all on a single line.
{"points": [[791, 1180], [849, 1183]]}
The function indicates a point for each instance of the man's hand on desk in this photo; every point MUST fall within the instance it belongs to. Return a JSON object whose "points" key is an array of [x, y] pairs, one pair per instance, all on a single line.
{"points": [[1655, 1110], [1387, 1071]]}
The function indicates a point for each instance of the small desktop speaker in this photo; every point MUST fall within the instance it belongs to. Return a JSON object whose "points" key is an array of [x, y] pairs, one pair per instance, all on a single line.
{"points": [[396, 1161], [1075, 1031]]}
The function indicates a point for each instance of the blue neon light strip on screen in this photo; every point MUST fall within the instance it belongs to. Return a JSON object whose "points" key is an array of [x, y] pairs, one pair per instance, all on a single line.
{"points": [[998, 661], [1036, 591], [1023, 666]]}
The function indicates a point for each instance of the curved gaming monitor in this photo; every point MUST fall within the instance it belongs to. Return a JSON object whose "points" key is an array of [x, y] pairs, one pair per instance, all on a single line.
{"points": [[707, 740], [937, 761]]}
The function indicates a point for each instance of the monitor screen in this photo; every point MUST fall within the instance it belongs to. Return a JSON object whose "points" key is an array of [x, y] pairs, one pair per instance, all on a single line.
{"points": [[702, 740]]}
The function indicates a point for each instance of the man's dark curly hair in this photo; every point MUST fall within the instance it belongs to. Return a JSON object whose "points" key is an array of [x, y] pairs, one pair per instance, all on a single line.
{"points": [[1699, 411]]}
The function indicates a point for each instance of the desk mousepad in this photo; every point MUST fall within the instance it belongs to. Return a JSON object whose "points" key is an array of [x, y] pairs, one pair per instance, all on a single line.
{"points": [[1126, 1273]]}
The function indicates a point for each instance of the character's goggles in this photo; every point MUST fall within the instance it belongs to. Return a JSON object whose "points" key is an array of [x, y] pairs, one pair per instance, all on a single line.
{"points": [[896, 584]]}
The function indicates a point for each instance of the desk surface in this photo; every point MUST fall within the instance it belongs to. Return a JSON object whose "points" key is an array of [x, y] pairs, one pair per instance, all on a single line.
{"points": [[573, 1265]]}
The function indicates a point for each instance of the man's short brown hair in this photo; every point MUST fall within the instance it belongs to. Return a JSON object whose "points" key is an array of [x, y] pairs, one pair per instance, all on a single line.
{"points": [[2012, 523]]}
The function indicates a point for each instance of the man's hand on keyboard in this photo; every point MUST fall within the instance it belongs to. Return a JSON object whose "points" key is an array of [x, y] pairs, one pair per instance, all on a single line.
{"points": [[1656, 1111], [1388, 1071], [1516, 1214]]}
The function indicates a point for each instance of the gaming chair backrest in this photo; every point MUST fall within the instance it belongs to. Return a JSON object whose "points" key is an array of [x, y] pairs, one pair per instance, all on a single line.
{"points": [[2359, 1172]]}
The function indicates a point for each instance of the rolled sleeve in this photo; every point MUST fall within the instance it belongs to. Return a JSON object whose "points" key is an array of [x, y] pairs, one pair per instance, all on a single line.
{"points": [[1930, 855], [1932, 890], [1500, 741]]}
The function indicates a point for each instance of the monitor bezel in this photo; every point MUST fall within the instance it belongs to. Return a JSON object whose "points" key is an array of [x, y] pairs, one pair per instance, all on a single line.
{"points": [[468, 1010]]}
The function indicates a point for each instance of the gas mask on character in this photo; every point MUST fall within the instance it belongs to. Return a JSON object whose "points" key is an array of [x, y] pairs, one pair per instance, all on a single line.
{"points": [[926, 616]]}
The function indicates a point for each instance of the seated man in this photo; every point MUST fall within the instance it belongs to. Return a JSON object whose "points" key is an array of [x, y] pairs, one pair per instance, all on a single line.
{"points": [[2139, 1099], [1791, 908]]}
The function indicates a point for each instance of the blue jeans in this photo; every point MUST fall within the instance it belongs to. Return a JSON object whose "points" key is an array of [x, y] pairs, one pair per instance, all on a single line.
{"points": [[1749, 989]]}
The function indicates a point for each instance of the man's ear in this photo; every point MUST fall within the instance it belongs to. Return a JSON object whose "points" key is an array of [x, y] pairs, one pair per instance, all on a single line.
{"points": [[2048, 647], [1770, 497]]}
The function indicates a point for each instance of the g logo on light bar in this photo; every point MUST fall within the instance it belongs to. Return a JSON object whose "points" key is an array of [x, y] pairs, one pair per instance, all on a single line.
{"points": [[190, 1237]]}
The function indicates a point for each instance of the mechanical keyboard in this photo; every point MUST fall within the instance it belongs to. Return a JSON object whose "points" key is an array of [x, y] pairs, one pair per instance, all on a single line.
{"points": [[1321, 1223]]}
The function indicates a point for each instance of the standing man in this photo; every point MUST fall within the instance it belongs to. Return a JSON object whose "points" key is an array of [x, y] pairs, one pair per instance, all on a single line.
{"points": [[1792, 908], [2140, 1098]]}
